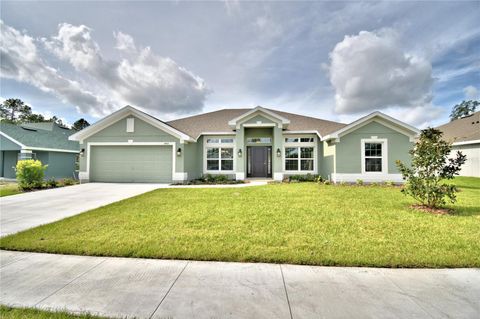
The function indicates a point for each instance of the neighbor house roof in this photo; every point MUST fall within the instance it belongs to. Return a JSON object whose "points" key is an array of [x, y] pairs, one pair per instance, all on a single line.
{"points": [[218, 122], [464, 130], [46, 136]]}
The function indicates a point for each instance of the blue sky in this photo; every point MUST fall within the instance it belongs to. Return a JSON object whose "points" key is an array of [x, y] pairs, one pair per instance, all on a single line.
{"points": [[333, 60]]}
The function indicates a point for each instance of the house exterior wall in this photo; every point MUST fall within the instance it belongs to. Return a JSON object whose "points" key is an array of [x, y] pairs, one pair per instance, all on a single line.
{"points": [[61, 165], [9, 160], [472, 165], [143, 132], [348, 153]]}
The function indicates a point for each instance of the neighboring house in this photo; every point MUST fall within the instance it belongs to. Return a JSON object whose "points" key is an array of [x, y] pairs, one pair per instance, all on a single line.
{"points": [[464, 133], [47, 142], [132, 146]]}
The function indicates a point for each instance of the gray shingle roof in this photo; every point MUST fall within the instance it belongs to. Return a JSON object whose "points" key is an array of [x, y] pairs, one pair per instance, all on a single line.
{"points": [[41, 135], [217, 121], [462, 130]]}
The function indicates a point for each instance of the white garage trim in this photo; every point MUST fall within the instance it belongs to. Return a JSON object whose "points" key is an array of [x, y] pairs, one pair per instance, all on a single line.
{"points": [[86, 174]]}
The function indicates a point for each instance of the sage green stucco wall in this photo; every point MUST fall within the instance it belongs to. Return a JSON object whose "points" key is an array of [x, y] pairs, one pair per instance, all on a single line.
{"points": [[9, 160], [348, 151], [258, 132], [258, 118], [143, 132], [327, 161]]}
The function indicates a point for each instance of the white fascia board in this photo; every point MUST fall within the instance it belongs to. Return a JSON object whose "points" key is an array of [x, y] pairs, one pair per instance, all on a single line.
{"points": [[122, 113], [303, 132], [352, 126], [50, 149], [466, 142], [259, 109], [12, 139]]}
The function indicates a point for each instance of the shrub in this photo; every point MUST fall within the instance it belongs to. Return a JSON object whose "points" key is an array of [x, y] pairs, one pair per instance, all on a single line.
{"points": [[430, 166], [303, 178], [68, 181], [327, 182], [389, 183], [343, 183], [30, 173], [359, 182], [214, 179], [52, 182], [374, 184]]}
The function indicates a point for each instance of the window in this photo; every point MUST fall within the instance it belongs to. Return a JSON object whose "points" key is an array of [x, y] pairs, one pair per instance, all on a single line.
{"points": [[301, 140], [373, 157], [228, 140], [259, 140], [219, 159], [299, 158]]}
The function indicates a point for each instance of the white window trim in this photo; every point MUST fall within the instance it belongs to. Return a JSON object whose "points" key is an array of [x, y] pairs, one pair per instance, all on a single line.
{"points": [[219, 146], [175, 176], [313, 144], [384, 143]]}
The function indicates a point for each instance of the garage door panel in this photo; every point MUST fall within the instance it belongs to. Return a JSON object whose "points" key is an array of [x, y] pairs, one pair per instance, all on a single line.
{"points": [[131, 164]]}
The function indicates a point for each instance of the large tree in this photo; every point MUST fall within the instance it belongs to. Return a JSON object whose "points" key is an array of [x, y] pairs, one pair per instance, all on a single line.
{"points": [[14, 110], [80, 124], [463, 109], [430, 167]]}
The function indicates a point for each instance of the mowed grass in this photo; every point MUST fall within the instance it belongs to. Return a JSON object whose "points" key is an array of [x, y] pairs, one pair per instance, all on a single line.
{"points": [[7, 189], [24, 313], [302, 223]]}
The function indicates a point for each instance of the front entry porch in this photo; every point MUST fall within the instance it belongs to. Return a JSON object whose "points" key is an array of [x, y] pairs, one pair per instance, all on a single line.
{"points": [[259, 162]]}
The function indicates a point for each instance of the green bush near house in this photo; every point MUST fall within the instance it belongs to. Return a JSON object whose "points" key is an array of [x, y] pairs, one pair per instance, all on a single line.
{"points": [[305, 178], [299, 223], [30, 174]]}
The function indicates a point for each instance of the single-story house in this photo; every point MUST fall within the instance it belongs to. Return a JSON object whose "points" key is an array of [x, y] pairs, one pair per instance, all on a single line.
{"points": [[464, 134], [47, 142], [132, 146]]}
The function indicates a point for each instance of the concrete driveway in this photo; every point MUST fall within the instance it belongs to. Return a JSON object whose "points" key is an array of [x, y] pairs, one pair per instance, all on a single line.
{"points": [[23, 211], [153, 288]]}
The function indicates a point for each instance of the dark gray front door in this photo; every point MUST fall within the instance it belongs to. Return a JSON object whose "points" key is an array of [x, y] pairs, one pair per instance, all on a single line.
{"points": [[259, 161]]}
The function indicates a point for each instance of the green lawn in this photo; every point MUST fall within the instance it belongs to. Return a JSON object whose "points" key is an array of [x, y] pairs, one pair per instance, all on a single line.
{"points": [[24, 313], [301, 223], [7, 189]]}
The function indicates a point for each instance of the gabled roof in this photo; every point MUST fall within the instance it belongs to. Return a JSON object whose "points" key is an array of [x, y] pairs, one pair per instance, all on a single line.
{"points": [[122, 113], [259, 110], [465, 130], [392, 123], [218, 122], [34, 136]]}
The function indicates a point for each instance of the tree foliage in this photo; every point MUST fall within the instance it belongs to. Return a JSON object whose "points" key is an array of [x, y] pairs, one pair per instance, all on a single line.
{"points": [[80, 124], [15, 111], [430, 167], [463, 109]]}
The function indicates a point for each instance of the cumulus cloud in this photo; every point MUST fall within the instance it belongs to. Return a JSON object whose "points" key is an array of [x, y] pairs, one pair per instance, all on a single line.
{"points": [[21, 61], [140, 78], [371, 71], [471, 92]]}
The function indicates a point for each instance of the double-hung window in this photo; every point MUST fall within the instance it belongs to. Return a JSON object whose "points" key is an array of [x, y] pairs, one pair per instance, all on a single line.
{"points": [[374, 156], [219, 155], [299, 154]]}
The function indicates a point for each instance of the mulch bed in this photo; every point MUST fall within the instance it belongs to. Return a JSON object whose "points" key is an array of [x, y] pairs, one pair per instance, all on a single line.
{"points": [[435, 211]]}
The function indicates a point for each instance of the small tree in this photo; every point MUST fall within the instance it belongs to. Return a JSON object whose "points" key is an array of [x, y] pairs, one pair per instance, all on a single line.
{"points": [[30, 173], [429, 169], [80, 124], [463, 109]]}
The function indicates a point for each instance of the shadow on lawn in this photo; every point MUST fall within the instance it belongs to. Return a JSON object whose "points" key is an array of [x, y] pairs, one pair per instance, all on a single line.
{"points": [[464, 211]]}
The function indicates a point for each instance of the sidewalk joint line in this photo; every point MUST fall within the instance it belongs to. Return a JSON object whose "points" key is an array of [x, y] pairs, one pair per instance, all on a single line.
{"points": [[286, 293], [170, 288], [12, 262], [68, 283]]}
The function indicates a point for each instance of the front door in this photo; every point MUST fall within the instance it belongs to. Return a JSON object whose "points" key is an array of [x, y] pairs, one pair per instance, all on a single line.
{"points": [[259, 161]]}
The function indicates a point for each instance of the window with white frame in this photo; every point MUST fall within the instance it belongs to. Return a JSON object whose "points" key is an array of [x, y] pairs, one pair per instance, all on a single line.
{"points": [[374, 156], [219, 154], [299, 154]]}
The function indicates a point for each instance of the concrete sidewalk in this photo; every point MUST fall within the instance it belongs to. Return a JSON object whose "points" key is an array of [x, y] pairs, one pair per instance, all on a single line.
{"points": [[148, 288]]}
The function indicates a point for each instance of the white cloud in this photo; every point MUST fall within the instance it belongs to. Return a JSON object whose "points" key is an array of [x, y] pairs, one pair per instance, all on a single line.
{"points": [[371, 71], [471, 92], [20, 61], [141, 78]]}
